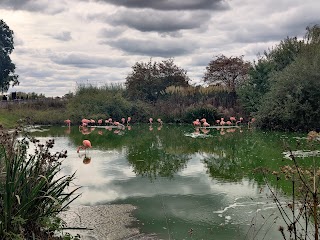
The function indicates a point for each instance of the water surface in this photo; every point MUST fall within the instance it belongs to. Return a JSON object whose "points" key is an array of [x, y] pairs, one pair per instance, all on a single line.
{"points": [[186, 183]]}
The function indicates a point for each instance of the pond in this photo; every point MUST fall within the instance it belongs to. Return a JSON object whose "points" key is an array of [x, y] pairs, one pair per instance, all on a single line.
{"points": [[186, 183]]}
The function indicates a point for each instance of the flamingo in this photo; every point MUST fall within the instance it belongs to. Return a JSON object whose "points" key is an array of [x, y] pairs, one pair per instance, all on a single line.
{"points": [[85, 122], [159, 121], [196, 123], [68, 122], [240, 121], [85, 144], [123, 120], [100, 121], [205, 124], [119, 125], [150, 120], [128, 120]]}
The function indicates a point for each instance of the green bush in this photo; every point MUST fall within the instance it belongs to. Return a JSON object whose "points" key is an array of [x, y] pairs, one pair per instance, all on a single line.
{"points": [[92, 102], [293, 100], [208, 112], [32, 192]]}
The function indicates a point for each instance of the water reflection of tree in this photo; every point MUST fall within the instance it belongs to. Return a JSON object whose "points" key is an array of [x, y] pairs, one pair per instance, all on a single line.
{"points": [[235, 156], [150, 156], [230, 157]]}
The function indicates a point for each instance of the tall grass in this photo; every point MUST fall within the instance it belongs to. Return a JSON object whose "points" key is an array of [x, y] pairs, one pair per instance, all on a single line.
{"points": [[31, 191]]}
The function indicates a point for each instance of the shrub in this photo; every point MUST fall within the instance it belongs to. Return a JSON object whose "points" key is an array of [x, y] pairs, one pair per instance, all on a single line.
{"points": [[32, 192], [208, 112]]}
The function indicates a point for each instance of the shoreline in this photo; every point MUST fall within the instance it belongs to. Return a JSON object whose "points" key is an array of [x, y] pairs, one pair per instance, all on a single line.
{"points": [[112, 222]]}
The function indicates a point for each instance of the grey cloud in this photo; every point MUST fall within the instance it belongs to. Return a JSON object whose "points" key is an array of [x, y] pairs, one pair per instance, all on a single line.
{"points": [[33, 6], [171, 4], [176, 34], [110, 33], [257, 33], [289, 21], [63, 36], [198, 61], [35, 72], [87, 61], [149, 20], [165, 48]]}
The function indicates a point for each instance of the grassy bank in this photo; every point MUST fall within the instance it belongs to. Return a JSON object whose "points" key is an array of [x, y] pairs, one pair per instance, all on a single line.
{"points": [[8, 119], [43, 112]]}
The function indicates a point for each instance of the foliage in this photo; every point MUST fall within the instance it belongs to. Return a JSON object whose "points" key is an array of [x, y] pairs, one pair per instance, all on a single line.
{"points": [[252, 91], [293, 100], [301, 213], [148, 81], [284, 53], [32, 95], [207, 112], [7, 68], [230, 72], [32, 193], [42, 111], [107, 101]]}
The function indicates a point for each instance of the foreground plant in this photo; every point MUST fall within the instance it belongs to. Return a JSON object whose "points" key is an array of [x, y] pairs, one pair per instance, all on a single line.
{"points": [[32, 192], [301, 214]]}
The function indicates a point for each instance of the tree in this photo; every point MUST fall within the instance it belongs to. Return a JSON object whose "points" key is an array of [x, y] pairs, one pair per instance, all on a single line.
{"points": [[293, 100], [278, 58], [227, 71], [7, 68], [149, 80], [284, 53]]}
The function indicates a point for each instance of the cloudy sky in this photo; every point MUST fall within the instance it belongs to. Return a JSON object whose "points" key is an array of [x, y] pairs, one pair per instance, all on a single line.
{"points": [[63, 43]]}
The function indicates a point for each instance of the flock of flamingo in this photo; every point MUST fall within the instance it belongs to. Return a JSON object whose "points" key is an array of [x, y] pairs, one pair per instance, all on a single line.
{"points": [[88, 125], [221, 122], [109, 123]]}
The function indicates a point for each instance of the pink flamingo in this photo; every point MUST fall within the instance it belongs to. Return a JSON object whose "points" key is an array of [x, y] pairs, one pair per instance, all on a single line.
{"points": [[123, 120], [240, 121], [159, 121], [232, 119], [150, 120], [229, 123], [85, 121], [100, 121], [85, 144], [68, 122], [128, 120], [196, 123], [217, 121], [205, 124], [203, 120]]}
